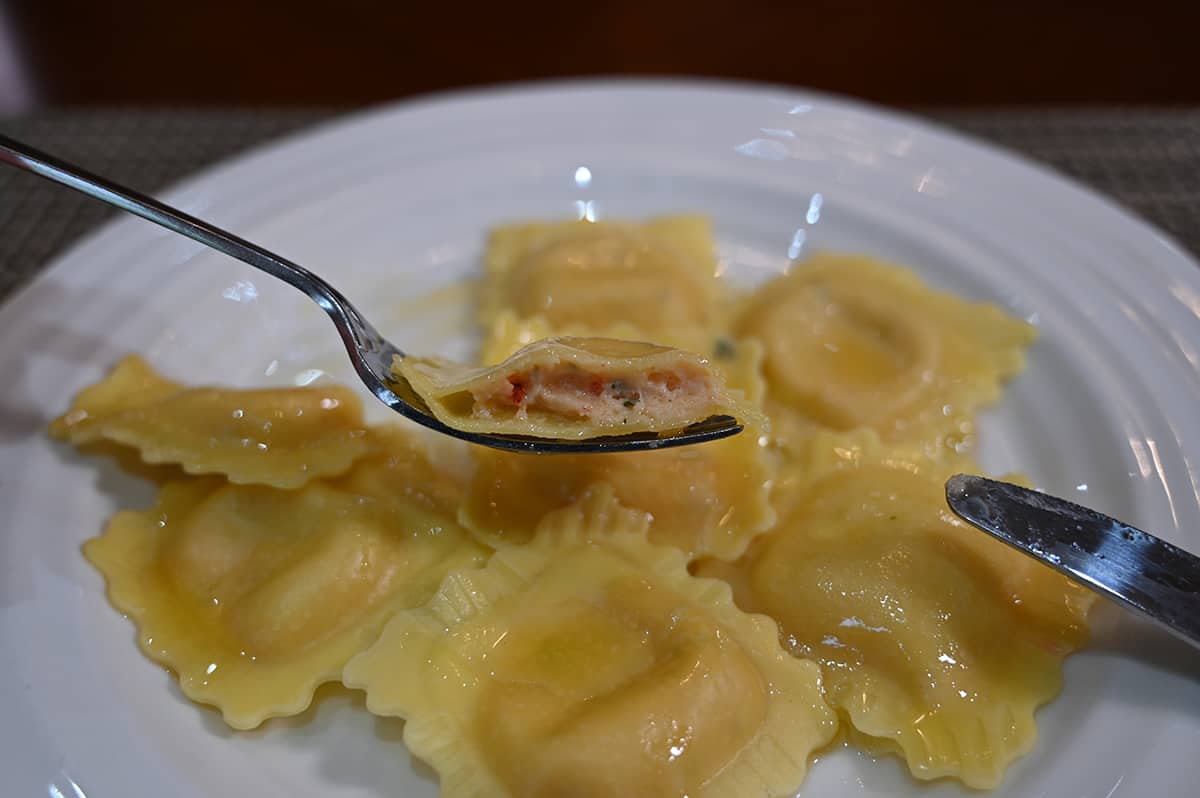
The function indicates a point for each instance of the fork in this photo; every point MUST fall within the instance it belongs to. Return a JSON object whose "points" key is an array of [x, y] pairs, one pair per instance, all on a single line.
{"points": [[371, 354]]}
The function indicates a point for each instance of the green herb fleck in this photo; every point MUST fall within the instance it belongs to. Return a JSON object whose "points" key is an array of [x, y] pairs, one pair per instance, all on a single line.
{"points": [[725, 349], [630, 402]]}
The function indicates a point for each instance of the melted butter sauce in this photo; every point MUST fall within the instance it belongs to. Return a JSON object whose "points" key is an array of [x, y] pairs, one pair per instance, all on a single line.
{"points": [[933, 642]]}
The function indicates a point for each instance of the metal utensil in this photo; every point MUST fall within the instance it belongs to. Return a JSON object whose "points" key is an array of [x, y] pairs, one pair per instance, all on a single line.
{"points": [[1121, 562], [369, 351]]}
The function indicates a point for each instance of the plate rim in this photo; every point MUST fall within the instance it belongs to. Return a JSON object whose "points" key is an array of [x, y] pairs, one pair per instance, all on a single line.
{"points": [[340, 122], [312, 136]]}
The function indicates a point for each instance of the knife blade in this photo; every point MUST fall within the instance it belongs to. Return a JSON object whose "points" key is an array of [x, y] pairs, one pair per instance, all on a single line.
{"points": [[1123, 563]]}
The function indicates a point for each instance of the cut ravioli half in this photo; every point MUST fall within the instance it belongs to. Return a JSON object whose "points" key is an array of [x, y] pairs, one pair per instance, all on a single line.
{"points": [[935, 640], [575, 388], [281, 437], [854, 342], [705, 499], [738, 361], [589, 663], [254, 596], [656, 274]]}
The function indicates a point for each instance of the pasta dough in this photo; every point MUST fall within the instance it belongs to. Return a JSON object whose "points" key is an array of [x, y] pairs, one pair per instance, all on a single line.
{"points": [[254, 596], [575, 388], [935, 640], [656, 275], [851, 342], [398, 467], [588, 663], [281, 437], [710, 498]]}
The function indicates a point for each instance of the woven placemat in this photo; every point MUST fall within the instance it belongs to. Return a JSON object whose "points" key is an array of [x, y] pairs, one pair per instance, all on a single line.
{"points": [[1149, 161]]}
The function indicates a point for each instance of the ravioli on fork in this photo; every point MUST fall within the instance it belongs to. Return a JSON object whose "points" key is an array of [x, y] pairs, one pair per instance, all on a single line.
{"points": [[572, 387]]}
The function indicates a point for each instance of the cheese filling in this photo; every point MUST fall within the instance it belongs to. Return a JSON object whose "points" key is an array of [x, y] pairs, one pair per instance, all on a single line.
{"points": [[662, 397]]}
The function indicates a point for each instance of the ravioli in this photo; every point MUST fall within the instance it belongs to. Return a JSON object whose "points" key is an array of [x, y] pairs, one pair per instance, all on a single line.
{"points": [[292, 545], [575, 388], [254, 596], [852, 342], [935, 640], [281, 437], [705, 499], [589, 663], [398, 466], [657, 274]]}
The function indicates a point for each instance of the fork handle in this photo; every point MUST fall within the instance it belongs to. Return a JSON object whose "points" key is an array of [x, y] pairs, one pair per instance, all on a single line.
{"points": [[29, 159]]}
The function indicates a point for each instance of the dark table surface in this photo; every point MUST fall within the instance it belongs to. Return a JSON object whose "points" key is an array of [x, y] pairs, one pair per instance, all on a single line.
{"points": [[1146, 160]]}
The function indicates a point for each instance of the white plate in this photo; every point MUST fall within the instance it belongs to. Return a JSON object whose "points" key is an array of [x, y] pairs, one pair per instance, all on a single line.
{"points": [[392, 205]]}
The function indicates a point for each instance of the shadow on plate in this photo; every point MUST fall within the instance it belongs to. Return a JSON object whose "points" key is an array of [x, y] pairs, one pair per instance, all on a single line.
{"points": [[29, 333], [348, 745], [1120, 634]]}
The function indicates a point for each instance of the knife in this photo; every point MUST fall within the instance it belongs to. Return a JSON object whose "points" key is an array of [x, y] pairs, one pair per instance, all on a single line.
{"points": [[1118, 561]]}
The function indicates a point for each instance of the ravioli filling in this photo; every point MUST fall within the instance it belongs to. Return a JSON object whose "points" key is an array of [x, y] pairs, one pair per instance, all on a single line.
{"points": [[662, 398]]}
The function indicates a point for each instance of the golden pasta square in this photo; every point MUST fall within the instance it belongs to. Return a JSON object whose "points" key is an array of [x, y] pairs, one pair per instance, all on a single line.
{"points": [[590, 663], [281, 437], [254, 596], [851, 342], [936, 641], [655, 275]]}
